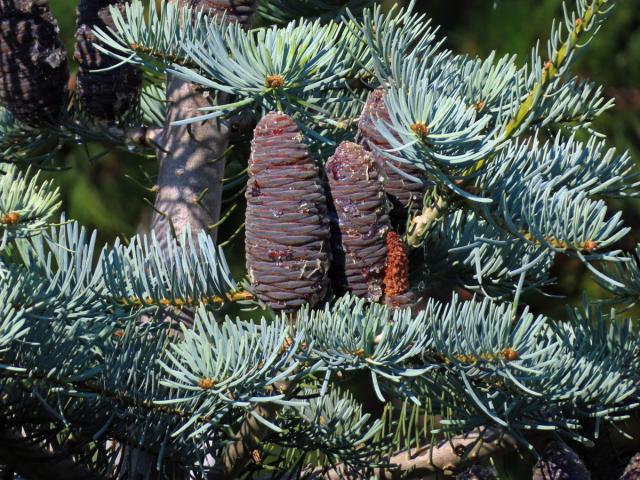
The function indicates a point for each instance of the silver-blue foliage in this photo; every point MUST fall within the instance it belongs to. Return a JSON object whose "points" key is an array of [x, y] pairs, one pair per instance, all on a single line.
{"points": [[89, 331], [177, 272], [26, 205], [473, 252]]}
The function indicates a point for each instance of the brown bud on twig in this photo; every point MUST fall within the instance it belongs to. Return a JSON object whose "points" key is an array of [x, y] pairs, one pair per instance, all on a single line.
{"points": [[11, 218], [105, 94], [33, 62], [401, 192], [287, 228], [360, 221]]}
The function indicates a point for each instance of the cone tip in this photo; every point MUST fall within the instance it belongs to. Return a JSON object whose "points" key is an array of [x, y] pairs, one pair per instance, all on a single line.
{"points": [[348, 159], [375, 102], [275, 123]]}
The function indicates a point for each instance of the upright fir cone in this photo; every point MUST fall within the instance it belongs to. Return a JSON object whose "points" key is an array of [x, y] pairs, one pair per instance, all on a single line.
{"points": [[239, 11], [33, 62], [360, 221], [287, 228], [396, 275], [108, 94], [401, 192]]}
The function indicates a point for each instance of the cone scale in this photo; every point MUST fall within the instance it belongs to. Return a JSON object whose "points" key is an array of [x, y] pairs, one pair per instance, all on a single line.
{"points": [[287, 228], [360, 222], [33, 62]]}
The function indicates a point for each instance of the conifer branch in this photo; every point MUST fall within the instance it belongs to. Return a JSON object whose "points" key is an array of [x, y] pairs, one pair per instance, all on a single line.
{"points": [[586, 20], [249, 439], [556, 64], [429, 462]]}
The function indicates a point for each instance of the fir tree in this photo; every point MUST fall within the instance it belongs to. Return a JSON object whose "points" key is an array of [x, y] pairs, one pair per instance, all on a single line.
{"points": [[402, 201]]}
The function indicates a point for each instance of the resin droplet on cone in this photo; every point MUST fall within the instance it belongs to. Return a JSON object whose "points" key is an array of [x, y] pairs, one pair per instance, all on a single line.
{"points": [[33, 62], [401, 192], [287, 228], [360, 221], [108, 94]]}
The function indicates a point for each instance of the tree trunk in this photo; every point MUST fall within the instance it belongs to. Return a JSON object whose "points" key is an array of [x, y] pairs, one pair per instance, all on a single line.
{"points": [[189, 196], [191, 166]]}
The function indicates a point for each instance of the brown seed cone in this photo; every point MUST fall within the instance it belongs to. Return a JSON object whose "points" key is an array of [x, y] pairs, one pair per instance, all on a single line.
{"points": [[239, 11], [33, 62], [396, 275], [401, 192], [287, 227], [360, 221], [108, 94]]}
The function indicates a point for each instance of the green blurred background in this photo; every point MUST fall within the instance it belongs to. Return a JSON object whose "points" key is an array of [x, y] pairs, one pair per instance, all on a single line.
{"points": [[107, 190]]}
